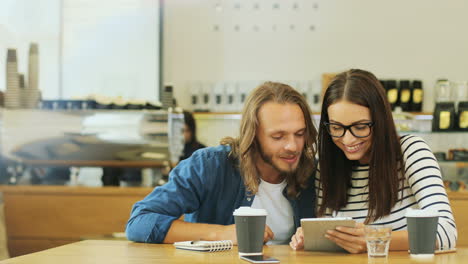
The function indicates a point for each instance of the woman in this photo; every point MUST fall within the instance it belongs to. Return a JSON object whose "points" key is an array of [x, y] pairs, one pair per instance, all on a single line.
{"points": [[190, 136], [360, 156]]}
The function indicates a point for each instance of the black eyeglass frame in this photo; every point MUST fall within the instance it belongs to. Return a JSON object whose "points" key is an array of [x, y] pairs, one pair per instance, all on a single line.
{"points": [[346, 128]]}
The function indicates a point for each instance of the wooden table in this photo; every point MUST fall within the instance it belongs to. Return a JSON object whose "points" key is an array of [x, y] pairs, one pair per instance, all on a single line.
{"points": [[101, 251], [97, 163]]}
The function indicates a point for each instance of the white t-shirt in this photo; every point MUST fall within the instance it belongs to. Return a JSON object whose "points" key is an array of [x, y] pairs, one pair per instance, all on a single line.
{"points": [[280, 214]]}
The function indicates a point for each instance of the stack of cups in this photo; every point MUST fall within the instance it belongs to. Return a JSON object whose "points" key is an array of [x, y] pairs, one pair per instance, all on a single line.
{"points": [[32, 92], [13, 92], [250, 228], [422, 231]]}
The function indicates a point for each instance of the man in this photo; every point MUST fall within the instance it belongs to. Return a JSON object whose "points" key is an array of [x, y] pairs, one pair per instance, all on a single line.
{"points": [[270, 166]]}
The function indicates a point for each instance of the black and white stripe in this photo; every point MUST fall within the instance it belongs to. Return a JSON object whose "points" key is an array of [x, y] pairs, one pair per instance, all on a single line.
{"points": [[423, 188]]}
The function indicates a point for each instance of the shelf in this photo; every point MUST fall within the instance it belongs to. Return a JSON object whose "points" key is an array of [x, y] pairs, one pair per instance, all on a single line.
{"points": [[457, 163], [419, 117], [433, 132], [217, 115], [415, 115]]}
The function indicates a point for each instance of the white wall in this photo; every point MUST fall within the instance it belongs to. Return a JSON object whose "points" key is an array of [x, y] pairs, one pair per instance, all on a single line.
{"points": [[26, 21], [418, 39], [109, 47], [423, 39]]}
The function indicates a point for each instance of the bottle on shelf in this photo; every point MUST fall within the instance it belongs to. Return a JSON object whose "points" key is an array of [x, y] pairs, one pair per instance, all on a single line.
{"points": [[417, 96], [218, 99], [315, 88], [392, 93], [302, 87], [462, 117], [443, 91], [462, 99], [444, 112], [196, 95], [230, 96], [405, 95], [207, 101], [167, 96]]}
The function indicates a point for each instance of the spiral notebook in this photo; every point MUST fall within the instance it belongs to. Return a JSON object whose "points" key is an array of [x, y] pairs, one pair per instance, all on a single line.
{"points": [[207, 246]]}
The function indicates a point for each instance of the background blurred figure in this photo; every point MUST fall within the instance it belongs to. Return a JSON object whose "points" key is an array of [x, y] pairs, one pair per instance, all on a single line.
{"points": [[190, 136]]}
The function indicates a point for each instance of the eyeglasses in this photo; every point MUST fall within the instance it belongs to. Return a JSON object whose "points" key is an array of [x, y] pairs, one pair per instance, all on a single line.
{"points": [[359, 130]]}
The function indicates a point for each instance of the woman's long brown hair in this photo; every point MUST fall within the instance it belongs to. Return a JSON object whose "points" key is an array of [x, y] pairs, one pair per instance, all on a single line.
{"points": [[385, 178], [246, 148]]}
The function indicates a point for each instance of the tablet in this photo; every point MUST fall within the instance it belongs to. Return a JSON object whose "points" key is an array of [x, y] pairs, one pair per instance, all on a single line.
{"points": [[315, 229]]}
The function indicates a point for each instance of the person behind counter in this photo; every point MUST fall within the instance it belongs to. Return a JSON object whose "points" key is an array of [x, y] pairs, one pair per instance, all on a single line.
{"points": [[190, 136], [268, 166], [359, 175]]}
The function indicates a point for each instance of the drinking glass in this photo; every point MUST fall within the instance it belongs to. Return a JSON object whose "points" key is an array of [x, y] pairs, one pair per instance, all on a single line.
{"points": [[377, 240]]}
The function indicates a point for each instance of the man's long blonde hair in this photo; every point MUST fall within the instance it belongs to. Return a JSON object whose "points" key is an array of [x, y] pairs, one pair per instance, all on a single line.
{"points": [[246, 148]]}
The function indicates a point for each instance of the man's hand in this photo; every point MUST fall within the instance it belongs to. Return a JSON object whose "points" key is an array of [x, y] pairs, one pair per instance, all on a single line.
{"points": [[297, 240], [228, 232], [352, 239]]}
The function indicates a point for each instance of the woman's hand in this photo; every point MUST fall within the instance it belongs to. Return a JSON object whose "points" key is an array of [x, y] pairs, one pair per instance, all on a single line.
{"points": [[297, 240], [352, 239], [268, 235]]}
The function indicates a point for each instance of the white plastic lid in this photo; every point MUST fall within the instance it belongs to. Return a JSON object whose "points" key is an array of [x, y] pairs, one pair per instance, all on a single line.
{"points": [[421, 213], [248, 211]]}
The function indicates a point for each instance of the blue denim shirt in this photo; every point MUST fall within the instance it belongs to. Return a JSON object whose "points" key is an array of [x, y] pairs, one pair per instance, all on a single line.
{"points": [[207, 188]]}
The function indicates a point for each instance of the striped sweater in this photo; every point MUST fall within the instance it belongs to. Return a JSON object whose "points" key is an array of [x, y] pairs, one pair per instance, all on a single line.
{"points": [[423, 188]]}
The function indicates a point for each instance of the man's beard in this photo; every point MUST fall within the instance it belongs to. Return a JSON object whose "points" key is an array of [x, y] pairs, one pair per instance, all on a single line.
{"points": [[268, 159]]}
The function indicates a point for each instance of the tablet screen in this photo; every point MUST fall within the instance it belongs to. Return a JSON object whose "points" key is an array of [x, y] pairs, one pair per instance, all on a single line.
{"points": [[315, 229]]}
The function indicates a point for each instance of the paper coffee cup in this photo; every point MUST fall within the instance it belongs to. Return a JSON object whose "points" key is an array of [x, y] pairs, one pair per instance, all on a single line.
{"points": [[422, 231], [250, 227]]}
